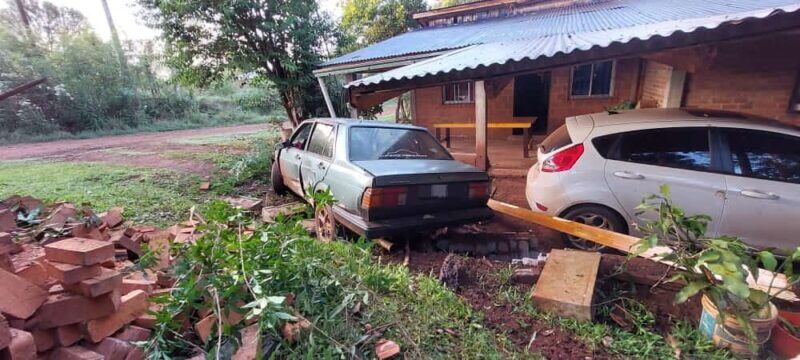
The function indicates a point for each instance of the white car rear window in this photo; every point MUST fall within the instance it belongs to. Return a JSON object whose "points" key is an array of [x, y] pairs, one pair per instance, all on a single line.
{"points": [[556, 140]]}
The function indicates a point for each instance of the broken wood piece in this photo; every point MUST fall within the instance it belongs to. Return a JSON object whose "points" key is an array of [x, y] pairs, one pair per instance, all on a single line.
{"points": [[566, 285], [385, 244], [244, 203], [386, 349], [271, 213]]}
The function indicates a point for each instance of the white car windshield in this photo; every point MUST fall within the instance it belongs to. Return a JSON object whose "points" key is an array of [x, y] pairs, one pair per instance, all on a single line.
{"points": [[380, 143]]}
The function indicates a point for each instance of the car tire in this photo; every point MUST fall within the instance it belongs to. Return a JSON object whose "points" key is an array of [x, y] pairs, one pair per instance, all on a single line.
{"points": [[277, 180], [594, 215], [325, 223]]}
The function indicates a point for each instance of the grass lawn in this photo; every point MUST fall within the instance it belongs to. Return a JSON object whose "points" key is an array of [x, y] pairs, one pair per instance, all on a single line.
{"points": [[158, 197]]}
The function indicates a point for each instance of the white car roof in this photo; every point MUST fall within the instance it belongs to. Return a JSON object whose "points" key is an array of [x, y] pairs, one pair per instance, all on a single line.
{"points": [[627, 120]]}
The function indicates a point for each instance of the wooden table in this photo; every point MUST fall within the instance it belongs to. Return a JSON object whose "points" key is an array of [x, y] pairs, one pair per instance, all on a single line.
{"points": [[503, 125]]}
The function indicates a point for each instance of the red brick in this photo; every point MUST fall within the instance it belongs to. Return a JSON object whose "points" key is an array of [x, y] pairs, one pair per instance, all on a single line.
{"points": [[251, 344], [158, 242], [132, 333], [386, 349], [133, 304], [106, 282], [6, 263], [84, 231], [8, 220], [132, 244], [5, 332], [20, 297], [7, 243], [68, 335], [60, 215], [22, 346], [112, 349], [69, 273], [129, 285], [44, 339], [64, 309], [36, 274], [75, 353], [204, 327], [113, 217], [79, 251]]}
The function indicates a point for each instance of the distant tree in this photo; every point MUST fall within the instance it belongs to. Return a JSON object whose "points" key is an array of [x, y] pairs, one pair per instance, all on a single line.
{"points": [[275, 40], [46, 22], [115, 38], [446, 3], [366, 22]]}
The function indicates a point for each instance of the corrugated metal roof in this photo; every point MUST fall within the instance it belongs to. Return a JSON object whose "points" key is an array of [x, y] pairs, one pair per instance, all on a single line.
{"points": [[589, 16], [598, 24]]}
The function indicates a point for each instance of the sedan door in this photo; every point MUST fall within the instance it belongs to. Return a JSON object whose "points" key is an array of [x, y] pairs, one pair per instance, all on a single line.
{"points": [[292, 156], [763, 206], [642, 161], [319, 156]]}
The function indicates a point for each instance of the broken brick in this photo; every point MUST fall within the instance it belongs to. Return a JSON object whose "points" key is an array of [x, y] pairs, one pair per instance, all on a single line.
{"points": [[85, 231], [130, 243], [132, 333], [251, 344], [129, 285], [43, 339], [113, 217], [6, 263], [58, 217], [133, 304], [7, 244], [107, 281], [386, 349], [80, 251], [292, 330], [21, 347], [244, 203], [36, 274], [20, 297], [5, 332], [205, 186], [204, 327], [158, 243], [112, 349], [76, 353], [68, 335], [69, 273], [66, 308], [8, 220]]}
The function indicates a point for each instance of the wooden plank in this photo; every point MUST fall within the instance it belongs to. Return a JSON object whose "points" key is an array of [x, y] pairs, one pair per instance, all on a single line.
{"points": [[328, 103], [566, 285], [481, 150], [627, 243]]}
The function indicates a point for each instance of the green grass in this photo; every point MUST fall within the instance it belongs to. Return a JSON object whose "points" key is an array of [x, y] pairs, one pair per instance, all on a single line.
{"points": [[158, 197]]}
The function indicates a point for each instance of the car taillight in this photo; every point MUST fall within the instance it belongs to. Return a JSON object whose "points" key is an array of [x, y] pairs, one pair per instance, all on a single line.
{"points": [[384, 196], [563, 160], [478, 190]]}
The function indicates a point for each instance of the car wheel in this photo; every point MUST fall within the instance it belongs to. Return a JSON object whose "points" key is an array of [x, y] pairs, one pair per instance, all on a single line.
{"points": [[325, 223], [597, 216], [277, 180]]}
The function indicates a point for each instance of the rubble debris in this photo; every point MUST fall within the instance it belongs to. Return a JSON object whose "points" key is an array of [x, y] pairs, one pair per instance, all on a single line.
{"points": [[244, 203], [113, 217], [132, 305], [69, 273], [566, 284], [80, 251], [5, 332], [107, 281], [538, 260], [8, 220], [450, 272], [76, 353], [526, 276], [270, 214], [67, 308], [251, 347], [292, 330], [204, 186], [21, 347], [386, 349], [385, 244]]}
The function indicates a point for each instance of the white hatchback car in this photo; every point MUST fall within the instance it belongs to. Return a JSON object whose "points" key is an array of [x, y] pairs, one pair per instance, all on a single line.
{"points": [[742, 171]]}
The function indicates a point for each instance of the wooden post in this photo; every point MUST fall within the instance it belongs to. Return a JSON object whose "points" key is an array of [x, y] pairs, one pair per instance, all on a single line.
{"points": [[673, 95], [353, 110], [328, 103], [481, 151], [21, 88]]}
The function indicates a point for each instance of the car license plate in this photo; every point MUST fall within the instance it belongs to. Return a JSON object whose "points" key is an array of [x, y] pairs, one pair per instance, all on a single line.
{"points": [[439, 191]]}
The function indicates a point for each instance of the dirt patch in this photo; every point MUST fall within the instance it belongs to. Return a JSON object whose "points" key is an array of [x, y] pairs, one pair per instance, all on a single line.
{"points": [[481, 288]]}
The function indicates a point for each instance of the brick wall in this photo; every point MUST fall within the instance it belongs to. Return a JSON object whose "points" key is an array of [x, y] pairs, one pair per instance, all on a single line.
{"points": [[755, 77], [654, 84]]}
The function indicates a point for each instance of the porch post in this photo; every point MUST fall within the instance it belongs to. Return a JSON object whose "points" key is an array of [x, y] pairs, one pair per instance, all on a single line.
{"points": [[481, 154], [327, 97], [353, 110]]}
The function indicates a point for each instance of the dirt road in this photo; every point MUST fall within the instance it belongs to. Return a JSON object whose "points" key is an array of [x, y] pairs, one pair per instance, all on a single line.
{"points": [[69, 148]]}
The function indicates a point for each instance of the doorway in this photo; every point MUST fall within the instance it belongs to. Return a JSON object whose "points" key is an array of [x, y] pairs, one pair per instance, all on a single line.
{"points": [[532, 98]]}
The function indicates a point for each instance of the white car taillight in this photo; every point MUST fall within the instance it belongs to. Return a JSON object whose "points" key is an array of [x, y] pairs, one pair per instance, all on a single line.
{"points": [[563, 160]]}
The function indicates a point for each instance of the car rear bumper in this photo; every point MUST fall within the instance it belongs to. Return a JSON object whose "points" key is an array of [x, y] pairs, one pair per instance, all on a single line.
{"points": [[394, 226]]}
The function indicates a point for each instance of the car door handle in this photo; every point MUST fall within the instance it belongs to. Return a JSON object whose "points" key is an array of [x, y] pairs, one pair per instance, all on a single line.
{"points": [[759, 195], [628, 175]]}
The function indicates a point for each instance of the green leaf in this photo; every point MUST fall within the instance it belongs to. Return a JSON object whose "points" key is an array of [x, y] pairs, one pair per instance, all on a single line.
{"points": [[768, 260], [664, 189], [691, 289]]}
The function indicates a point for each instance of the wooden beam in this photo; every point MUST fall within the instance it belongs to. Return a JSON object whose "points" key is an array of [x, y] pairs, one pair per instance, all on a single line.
{"points": [[328, 103], [481, 151], [627, 244], [21, 88]]}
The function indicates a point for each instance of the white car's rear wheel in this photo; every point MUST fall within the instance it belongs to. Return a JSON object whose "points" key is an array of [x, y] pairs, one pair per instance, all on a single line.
{"points": [[325, 223], [593, 215]]}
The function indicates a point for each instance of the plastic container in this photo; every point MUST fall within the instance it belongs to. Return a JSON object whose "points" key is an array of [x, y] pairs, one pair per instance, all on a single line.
{"points": [[784, 344], [729, 334]]}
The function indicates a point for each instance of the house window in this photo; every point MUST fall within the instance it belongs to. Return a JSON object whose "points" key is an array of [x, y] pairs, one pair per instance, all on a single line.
{"points": [[457, 93], [595, 79]]}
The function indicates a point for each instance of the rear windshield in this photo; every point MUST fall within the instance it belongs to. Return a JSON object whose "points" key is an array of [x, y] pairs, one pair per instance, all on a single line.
{"points": [[379, 143], [556, 140]]}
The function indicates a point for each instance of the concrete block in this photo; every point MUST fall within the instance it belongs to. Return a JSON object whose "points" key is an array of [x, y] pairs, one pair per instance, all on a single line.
{"points": [[566, 285]]}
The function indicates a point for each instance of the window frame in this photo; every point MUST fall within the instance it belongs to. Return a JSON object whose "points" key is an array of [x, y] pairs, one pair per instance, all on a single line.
{"points": [[470, 93], [310, 125], [349, 135], [716, 156], [334, 129], [591, 79], [726, 152]]}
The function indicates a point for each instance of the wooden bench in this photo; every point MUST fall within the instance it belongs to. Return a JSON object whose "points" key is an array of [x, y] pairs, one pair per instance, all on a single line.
{"points": [[503, 125]]}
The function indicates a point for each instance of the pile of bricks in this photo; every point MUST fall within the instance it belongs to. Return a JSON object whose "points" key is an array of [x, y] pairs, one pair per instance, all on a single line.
{"points": [[69, 287]]}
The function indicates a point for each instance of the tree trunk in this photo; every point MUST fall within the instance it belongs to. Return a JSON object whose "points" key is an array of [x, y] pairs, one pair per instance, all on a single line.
{"points": [[115, 39], [287, 101]]}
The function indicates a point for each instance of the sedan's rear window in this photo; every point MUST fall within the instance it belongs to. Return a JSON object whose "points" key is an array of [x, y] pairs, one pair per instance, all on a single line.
{"points": [[558, 139], [379, 143]]}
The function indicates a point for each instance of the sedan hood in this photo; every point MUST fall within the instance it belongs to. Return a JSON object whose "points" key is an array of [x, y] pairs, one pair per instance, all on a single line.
{"points": [[390, 172]]}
